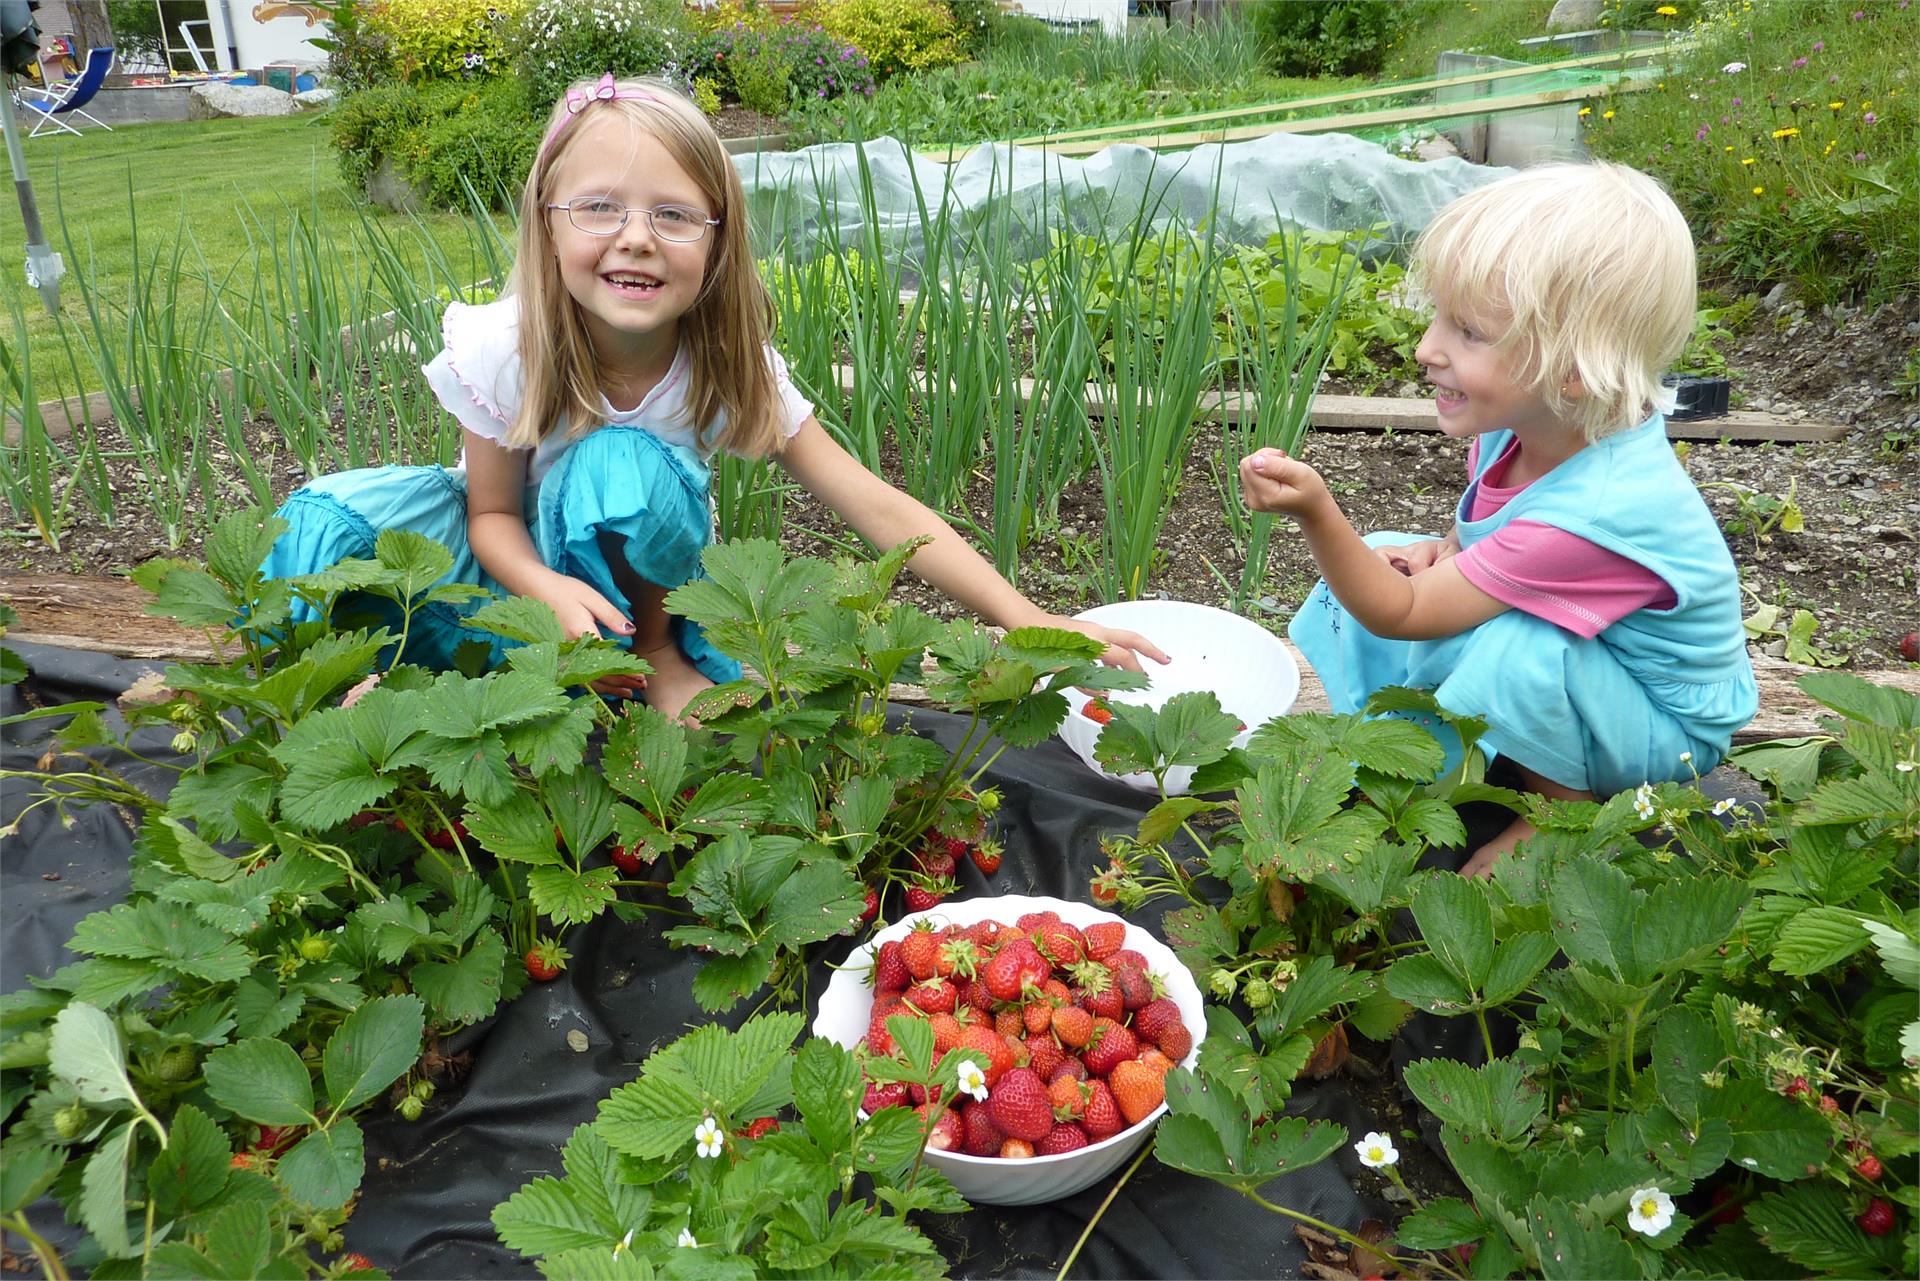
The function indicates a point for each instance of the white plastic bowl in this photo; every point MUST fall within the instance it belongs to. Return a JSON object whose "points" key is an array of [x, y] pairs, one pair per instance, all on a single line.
{"points": [[846, 1006], [1243, 664]]}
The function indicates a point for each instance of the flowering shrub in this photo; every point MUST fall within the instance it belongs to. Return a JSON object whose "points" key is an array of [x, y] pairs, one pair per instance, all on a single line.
{"points": [[558, 42], [769, 67], [440, 39], [1328, 37], [896, 35], [1787, 138]]}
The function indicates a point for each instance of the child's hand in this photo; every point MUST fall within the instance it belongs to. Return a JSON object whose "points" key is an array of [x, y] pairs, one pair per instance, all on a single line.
{"points": [[1123, 647], [581, 610], [1270, 481], [1414, 558]]}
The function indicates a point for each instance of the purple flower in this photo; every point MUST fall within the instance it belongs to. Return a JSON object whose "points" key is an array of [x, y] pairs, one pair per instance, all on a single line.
{"points": [[1859, 157], [1869, 118], [1736, 102], [1700, 133], [1797, 63], [1818, 45], [1859, 15]]}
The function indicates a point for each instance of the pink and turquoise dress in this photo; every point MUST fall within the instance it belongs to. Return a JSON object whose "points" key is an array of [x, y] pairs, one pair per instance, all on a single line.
{"points": [[1601, 712], [636, 487]]}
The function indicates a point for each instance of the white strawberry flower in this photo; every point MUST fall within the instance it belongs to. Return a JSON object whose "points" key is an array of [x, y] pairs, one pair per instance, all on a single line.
{"points": [[1734, 68], [625, 1242], [1650, 1210], [707, 1138], [972, 1080], [1722, 806], [1376, 1151], [686, 1241]]}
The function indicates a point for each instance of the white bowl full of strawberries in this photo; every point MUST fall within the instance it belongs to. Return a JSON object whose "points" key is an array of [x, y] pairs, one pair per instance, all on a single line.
{"points": [[1076, 1013]]}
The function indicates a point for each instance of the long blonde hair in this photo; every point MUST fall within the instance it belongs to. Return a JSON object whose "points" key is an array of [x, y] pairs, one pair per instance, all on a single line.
{"points": [[725, 331]]}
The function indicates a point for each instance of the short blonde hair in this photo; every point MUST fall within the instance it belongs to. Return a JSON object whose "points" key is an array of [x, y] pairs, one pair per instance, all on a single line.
{"points": [[727, 329], [1585, 271]]}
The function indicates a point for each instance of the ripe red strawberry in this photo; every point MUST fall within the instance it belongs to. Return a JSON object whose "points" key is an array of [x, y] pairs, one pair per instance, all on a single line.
{"points": [[1869, 1168], [959, 959], [1065, 1137], [1021, 1107], [1138, 1090], [1102, 1119], [879, 1040], [1069, 1098], [1103, 939], [1015, 1150], [920, 949], [1158, 1021], [1910, 647], [934, 860], [1829, 1106], [627, 859], [1031, 921], [871, 906], [446, 838], [1110, 1046], [1877, 1219], [1059, 943], [1797, 1088], [275, 1139], [1096, 991], [247, 1160], [946, 1033], [890, 972], [759, 1128], [1156, 1060], [1097, 711], [974, 994], [1073, 1025], [356, 1262], [1038, 1013], [1721, 1195], [1136, 990], [984, 935], [983, 1137], [1014, 966], [544, 961], [1127, 958], [884, 1094], [1070, 1067], [1043, 1055], [986, 856], [947, 1133], [936, 996], [1104, 887], [990, 1051], [924, 898], [1010, 1022]]}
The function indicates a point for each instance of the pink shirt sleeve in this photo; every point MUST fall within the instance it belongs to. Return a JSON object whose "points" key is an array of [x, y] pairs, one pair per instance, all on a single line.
{"points": [[1561, 577]]}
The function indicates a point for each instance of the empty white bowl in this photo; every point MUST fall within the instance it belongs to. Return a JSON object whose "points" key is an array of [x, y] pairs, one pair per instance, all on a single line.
{"points": [[1243, 664], [847, 1004]]}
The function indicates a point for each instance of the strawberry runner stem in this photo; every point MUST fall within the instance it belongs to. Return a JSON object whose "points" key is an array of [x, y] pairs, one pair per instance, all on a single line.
{"points": [[1112, 1192], [42, 1250]]}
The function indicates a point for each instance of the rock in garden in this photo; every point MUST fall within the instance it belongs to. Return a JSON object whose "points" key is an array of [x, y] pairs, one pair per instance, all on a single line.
{"points": [[313, 98], [1574, 15], [216, 101], [1438, 147]]}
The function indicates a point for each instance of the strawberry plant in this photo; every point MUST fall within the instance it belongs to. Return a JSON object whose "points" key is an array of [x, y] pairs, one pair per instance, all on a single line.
{"points": [[673, 1173], [1721, 1067]]}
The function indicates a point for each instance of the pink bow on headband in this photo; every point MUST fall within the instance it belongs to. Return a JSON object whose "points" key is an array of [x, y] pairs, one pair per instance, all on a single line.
{"points": [[578, 100]]}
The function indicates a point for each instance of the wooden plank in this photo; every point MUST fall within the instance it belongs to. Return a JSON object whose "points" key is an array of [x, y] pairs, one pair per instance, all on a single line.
{"points": [[1409, 413], [107, 616], [1115, 132]]}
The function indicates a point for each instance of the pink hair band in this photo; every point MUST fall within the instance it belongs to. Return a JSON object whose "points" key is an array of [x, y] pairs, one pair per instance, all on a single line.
{"points": [[578, 100]]}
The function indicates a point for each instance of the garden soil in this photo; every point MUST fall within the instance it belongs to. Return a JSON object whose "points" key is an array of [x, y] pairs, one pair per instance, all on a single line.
{"points": [[514, 1087], [1855, 565]]}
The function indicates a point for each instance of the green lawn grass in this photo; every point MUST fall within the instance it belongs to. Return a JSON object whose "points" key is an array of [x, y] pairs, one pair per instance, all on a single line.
{"points": [[230, 184]]}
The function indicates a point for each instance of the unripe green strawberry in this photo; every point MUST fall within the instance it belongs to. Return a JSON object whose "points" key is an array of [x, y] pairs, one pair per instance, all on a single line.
{"points": [[176, 1063], [70, 1122], [315, 948], [412, 1108], [422, 1090]]}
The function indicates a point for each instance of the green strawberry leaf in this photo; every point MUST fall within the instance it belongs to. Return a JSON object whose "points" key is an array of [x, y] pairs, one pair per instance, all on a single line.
{"points": [[372, 1049], [1441, 1222], [570, 897], [826, 1090], [262, 1080], [723, 980], [84, 1049], [192, 1173], [1495, 1101], [465, 990], [324, 1168], [1456, 920], [103, 1192]]}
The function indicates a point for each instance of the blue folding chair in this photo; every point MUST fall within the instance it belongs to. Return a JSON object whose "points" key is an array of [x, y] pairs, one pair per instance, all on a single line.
{"points": [[70, 97]]}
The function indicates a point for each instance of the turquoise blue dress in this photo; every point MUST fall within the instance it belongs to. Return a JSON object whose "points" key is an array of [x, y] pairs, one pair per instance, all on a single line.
{"points": [[637, 485], [1602, 714]]}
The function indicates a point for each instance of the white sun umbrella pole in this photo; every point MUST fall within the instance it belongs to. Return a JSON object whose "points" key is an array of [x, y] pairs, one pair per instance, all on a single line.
{"points": [[44, 267]]}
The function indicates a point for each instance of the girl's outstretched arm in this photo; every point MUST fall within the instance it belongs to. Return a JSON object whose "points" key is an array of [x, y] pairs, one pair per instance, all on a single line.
{"points": [[886, 517], [1433, 602]]}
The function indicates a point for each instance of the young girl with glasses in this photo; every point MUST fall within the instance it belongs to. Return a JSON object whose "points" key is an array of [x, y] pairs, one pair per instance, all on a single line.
{"points": [[1584, 604], [631, 344]]}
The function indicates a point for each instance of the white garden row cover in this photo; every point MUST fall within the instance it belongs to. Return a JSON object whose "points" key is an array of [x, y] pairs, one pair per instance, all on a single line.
{"points": [[1322, 182]]}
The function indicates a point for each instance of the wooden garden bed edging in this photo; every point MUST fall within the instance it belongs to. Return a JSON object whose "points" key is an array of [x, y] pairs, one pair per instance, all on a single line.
{"points": [[108, 616]]}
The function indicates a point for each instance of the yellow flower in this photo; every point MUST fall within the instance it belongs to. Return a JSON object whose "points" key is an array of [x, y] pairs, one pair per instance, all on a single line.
{"points": [[1866, 106], [1788, 132], [1586, 111], [1606, 115], [1667, 11], [1835, 106], [1747, 161], [1759, 191], [1728, 147]]}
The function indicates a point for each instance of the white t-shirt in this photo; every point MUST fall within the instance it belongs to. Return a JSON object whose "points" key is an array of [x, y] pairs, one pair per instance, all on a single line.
{"points": [[476, 377]]}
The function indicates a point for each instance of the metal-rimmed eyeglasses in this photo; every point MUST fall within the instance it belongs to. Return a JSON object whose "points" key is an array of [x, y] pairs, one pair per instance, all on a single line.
{"points": [[599, 216]]}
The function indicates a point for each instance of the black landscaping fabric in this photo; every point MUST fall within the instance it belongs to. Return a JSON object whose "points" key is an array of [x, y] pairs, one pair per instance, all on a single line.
{"points": [[430, 1185]]}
